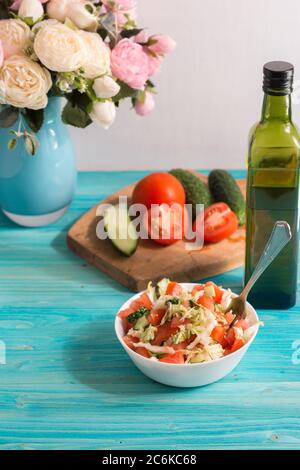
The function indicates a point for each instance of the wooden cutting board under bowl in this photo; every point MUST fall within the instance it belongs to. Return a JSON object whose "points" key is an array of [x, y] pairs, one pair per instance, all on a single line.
{"points": [[151, 262]]}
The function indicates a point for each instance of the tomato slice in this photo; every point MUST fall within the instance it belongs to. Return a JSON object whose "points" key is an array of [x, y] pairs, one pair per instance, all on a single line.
{"points": [[174, 289], [218, 333], [166, 223], [206, 302], [176, 322], [197, 289], [129, 341], [230, 337], [177, 358], [229, 317], [238, 344], [219, 222], [143, 352], [156, 316], [143, 301], [163, 333], [218, 292], [242, 324], [124, 313]]}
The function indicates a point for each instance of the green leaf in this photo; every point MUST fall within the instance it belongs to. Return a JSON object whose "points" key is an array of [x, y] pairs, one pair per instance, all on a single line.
{"points": [[31, 144], [12, 143], [8, 117], [34, 118], [75, 116], [129, 33], [103, 33], [125, 92]]}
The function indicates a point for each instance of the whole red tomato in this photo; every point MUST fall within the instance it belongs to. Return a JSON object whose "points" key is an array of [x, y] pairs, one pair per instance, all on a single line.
{"points": [[166, 224], [158, 188]]}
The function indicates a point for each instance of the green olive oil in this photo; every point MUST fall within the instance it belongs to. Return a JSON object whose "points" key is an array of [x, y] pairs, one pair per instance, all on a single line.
{"points": [[273, 190]]}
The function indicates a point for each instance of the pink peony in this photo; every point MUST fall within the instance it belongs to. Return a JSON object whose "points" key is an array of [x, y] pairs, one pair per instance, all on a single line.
{"points": [[142, 37], [154, 62], [163, 45], [1, 54], [130, 64], [146, 105], [17, 3]]}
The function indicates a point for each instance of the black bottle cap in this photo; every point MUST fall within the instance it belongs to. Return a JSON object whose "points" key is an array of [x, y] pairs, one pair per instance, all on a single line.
{"points": [[278, 78]]}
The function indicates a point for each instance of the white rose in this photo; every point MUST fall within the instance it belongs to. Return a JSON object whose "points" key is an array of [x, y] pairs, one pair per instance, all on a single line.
{"points": [[58, 9], [59, 48], [80, 14], [24, 83], [15, 36], [31, 9], [97, 58], [103, 113], [105, 87]]}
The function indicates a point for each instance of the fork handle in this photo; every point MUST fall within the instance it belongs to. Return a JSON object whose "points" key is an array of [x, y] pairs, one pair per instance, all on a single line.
{"points": [[280, 236]]}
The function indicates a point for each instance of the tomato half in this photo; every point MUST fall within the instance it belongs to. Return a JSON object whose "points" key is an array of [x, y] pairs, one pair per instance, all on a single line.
{"points": [[158, 188], [219, 222], [165, 224], [177, 358]]}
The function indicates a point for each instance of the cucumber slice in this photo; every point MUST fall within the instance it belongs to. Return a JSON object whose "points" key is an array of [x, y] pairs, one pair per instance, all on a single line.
{"points": [[120, 229]]}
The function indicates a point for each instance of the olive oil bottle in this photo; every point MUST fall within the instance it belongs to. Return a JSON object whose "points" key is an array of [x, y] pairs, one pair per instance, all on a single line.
{"points": [[273, 189]]}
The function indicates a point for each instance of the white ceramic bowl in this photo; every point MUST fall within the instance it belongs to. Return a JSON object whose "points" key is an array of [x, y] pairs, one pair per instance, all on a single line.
{"points": [[186, 375]]}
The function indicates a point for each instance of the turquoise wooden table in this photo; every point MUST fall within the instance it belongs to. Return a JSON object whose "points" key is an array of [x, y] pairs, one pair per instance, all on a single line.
{"points": [[67, 383]]}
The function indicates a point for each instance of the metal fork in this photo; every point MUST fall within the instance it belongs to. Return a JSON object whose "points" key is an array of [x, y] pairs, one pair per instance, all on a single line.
{"points": [[280, 236]]}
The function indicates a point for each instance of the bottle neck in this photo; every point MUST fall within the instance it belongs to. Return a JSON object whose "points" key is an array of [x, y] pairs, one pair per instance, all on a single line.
{"points": [[277, 108]]}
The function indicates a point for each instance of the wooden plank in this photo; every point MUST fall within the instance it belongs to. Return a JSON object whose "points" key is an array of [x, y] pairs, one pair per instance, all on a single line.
{"points": [[152, 262], [68, 384]]}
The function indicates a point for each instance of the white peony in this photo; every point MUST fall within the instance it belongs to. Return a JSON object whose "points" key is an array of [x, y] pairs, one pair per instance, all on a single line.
{"points": [[60, 48], [97, 57], [15, 36], [105, 87], [31, 9], [103, 113], [79, 11], [24, 83], [57, 9], [82, 15]]}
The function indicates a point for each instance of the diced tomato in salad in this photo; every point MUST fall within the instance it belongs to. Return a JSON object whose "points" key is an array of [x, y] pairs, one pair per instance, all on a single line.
{"points": [[156, 316], [176, 358], [174, 325], [174, 289], [207, 302]]}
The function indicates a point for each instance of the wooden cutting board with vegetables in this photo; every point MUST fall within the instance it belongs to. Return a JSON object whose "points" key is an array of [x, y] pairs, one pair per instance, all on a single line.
{"points": [[134, 262]]}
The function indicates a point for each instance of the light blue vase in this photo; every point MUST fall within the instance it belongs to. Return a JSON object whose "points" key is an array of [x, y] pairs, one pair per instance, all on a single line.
{"points": [[37, 190]]}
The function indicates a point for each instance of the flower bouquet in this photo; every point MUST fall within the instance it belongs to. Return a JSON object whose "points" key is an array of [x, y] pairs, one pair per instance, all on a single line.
{"points": [[90, 52]]}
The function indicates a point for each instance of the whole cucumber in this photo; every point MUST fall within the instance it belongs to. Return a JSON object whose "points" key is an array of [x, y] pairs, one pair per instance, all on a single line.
{"points": [[224, 188]]}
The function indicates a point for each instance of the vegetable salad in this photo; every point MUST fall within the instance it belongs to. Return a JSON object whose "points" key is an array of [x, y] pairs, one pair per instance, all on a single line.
{"points": [[170, 324]]}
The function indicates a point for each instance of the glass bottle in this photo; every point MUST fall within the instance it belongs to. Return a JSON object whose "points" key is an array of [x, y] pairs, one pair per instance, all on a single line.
{"points": [[273, 189]]}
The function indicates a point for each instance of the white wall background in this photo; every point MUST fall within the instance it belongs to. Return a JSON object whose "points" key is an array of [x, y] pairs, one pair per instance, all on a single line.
{"points": [[209, 88]]}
